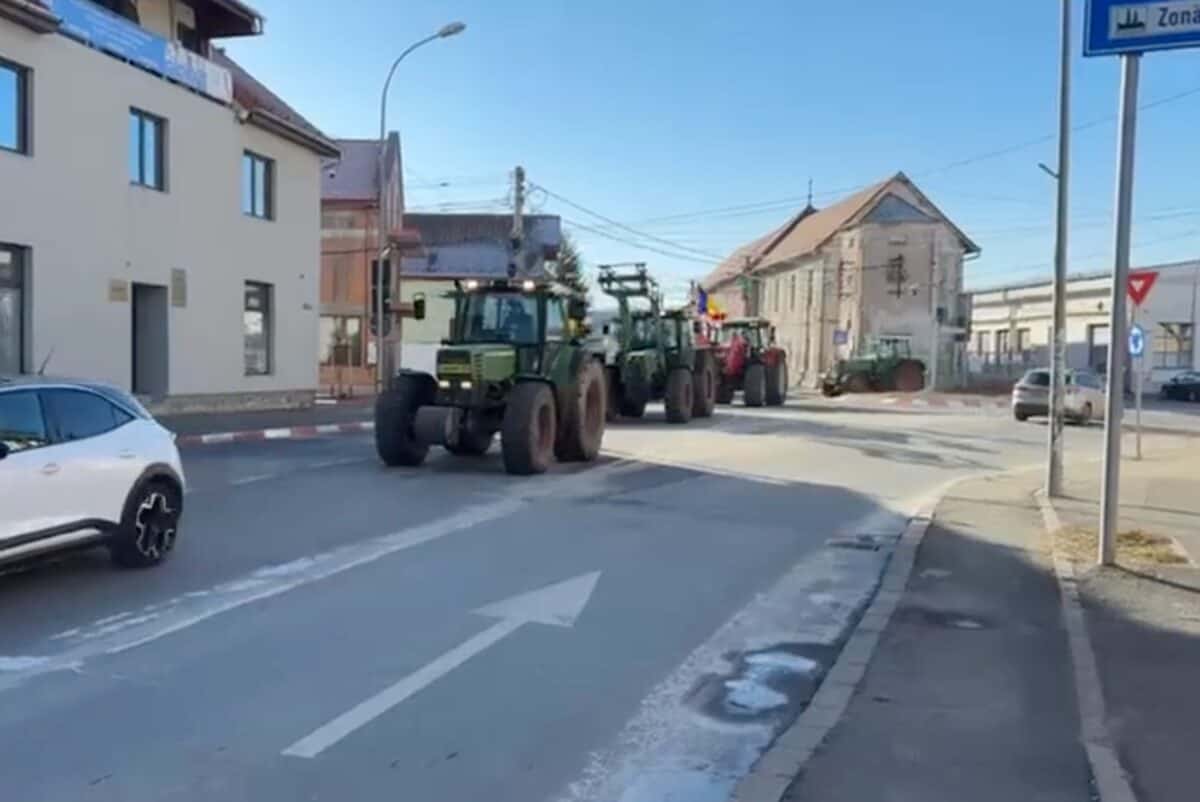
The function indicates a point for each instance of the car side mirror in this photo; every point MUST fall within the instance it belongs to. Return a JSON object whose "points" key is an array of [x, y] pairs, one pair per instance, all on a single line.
{"points": [[3, 450], [419, 306]]}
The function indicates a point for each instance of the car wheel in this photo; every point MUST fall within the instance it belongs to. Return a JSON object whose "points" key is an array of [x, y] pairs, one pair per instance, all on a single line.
{"points": [[1021, 417], [150, 526], [1085, 415]]}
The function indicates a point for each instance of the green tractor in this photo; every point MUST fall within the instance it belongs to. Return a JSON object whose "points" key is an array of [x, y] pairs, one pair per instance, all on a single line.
{"points": [[514, 364], [887, 365], [656, 356]]}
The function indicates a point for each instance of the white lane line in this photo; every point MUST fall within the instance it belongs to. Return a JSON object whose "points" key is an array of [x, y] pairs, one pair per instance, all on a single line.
{"points": [[182, 612], [249, 480], [277, 434]]}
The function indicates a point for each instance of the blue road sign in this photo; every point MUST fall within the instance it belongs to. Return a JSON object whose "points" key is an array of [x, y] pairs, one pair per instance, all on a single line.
{"points": [[1137, 341], [1138, 26]]}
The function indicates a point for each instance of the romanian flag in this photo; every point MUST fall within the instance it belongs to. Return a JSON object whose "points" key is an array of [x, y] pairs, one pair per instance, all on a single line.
{"points": [[713, 309], [701, 302]]}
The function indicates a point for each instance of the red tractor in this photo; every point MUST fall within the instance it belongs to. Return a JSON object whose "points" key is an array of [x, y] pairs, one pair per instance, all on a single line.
{"points": [[751, 362]]}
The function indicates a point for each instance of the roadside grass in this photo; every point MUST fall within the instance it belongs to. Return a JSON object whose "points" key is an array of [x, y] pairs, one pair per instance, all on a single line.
{"points": [[1134, 547]]}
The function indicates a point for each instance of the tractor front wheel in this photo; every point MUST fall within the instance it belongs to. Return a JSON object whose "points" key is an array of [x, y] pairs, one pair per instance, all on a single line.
{"points": [[582, 425], [724, 391], [527, 435], [679, 396], [612, 389], [777, 384], [395, 410], [755, 389]]}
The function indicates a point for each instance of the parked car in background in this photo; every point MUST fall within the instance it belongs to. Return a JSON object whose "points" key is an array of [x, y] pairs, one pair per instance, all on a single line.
{"points": [[1084, 400], [1184, 387], [84, 464]]}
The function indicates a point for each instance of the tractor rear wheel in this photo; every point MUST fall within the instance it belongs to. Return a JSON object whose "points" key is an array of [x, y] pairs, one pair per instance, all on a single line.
{"points": [[777, 384], [582, 423], [679, 397], [858, 383], [909, 376], [704, 389], [755, 388], [395, 410], [529, 428]]}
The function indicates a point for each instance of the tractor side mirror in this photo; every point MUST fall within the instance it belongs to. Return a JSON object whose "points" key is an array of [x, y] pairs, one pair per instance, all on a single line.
{"points": [[577, 309], [606, 330], [3, 450], [419, 306]]}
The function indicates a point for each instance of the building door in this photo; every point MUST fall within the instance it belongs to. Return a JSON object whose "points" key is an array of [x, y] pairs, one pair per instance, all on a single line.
{"points": [[12, 310], [149, 340]]}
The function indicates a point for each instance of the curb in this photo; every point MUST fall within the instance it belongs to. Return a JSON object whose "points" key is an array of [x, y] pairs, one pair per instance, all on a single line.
{"points": [[1112, 783], [779, 766], [284, 433]]}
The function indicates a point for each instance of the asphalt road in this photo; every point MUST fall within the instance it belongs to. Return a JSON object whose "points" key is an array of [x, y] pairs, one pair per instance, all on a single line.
{"points": [[634, 630]]}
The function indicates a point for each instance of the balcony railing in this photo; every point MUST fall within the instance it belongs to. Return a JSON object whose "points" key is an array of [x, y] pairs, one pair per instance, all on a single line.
{"points": [[100, 28]]}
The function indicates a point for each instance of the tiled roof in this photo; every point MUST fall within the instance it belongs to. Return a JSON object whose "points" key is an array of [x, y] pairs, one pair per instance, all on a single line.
{"points": [[355, 176], [456, 229], [256, 98]]}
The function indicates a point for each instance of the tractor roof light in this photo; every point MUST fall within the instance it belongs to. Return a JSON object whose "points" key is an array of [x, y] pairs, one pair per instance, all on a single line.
{"points": [[472, 284], [528, 286]]}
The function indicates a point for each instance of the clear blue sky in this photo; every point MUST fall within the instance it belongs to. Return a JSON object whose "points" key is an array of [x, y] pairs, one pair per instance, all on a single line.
{"points": [[641, 110]]}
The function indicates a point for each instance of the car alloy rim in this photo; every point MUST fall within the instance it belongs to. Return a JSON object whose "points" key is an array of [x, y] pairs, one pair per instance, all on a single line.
{"points": [[154, 526]]}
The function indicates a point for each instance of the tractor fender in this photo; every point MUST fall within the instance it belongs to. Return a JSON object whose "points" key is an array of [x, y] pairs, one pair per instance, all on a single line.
{"points": [[429, 384]]}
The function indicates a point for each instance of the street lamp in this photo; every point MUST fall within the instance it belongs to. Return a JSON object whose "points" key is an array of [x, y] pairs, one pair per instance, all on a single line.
{"points": [[445, 32]]}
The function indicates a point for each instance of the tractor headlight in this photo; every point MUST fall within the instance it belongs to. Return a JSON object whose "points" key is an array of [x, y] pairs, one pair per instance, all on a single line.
{"points": [[444, 384], [467, 386]]}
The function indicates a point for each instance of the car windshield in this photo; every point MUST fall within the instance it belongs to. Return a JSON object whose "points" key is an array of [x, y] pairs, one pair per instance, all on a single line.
{"points": [[507, 317], [1036, 378]]}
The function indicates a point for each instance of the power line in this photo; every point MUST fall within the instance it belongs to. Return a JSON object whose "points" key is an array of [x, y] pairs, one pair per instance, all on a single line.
{"points": [[640, 245], [631, 230]]}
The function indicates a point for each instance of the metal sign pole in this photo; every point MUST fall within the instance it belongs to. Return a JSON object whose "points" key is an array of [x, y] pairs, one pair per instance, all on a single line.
{"points": [[1118, 334]]}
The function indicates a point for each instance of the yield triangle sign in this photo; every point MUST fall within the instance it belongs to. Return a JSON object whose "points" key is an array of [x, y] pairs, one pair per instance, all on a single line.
{"points": [[1140, 284]]}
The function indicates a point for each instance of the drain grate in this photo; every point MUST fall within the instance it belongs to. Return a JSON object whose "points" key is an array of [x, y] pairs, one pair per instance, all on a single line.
{"points": [[857, 543]]}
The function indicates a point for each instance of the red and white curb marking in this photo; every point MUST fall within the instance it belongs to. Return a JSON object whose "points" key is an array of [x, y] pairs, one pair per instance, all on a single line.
{"points": [[933, 402], [285, 433]]}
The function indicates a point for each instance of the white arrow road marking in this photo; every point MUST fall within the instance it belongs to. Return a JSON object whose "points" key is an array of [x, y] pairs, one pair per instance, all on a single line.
{"points": [[556, 605]]}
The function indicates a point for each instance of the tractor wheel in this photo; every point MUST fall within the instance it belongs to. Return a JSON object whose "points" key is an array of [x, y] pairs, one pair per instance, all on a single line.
{"points": [[704, 390], [777, 384], [530, 424], [680, 398], [612, 388], [473, 441], [858, 383], [582, 424], [724, 391], [395, 409], [755, 389], [632, 407], [909, 376]]}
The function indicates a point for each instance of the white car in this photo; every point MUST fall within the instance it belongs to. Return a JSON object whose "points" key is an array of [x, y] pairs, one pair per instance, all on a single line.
{"points": [[1083, 403], [84, 464]]}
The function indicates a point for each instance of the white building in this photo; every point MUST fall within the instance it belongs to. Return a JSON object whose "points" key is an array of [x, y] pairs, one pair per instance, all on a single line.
{"points": [[159, 208], [1011, 326]]}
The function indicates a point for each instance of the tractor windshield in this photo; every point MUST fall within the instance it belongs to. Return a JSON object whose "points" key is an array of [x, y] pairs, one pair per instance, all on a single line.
{"points": [[749, 334], [643, 333], [506, 317]]}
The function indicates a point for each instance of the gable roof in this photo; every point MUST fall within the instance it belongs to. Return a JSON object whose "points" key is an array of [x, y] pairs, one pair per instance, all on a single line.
{"points": [[269, 111], [355, 176], [809, 229]]}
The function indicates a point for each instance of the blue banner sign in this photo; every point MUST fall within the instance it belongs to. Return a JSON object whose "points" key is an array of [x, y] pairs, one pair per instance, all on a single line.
{"points": [[102, 29], [1138, 26]]}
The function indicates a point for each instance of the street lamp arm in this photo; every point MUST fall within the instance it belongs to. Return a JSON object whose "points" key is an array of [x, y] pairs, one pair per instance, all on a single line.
{"points": [[388, 83]]}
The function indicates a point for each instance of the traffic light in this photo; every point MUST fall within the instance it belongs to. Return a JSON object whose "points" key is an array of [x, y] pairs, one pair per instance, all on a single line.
{"points": [[387, 296]]}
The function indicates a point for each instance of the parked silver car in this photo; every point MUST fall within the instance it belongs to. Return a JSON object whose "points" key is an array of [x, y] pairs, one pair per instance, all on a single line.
{"points": [[1084, 400]]}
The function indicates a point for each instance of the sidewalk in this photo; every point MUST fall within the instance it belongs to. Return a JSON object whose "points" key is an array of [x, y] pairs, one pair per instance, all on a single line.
{"points": [[973, 692], [202, 428]]}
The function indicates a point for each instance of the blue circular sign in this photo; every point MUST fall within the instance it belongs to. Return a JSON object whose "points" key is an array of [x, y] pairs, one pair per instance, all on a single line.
{"points": [[1137, 341]]}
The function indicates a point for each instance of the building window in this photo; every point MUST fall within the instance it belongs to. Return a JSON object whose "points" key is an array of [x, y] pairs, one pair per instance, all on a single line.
{"points": [[1002, 352], [258, 193], [980, 343], [14, 107], [256, 328], [12, 309], [147, 150], [341, 342], [1174, 345], [1098, 340]]}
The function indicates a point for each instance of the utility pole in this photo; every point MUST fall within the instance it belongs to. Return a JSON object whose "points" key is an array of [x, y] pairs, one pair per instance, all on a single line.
{"points": [[518, 227], [1118, 325], [1058, 346]]}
